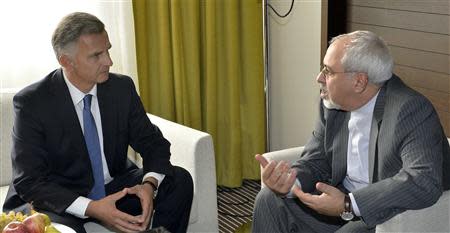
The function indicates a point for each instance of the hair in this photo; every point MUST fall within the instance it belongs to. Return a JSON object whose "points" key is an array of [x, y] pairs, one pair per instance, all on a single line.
{"points": [[367, 53], [71, 28]]}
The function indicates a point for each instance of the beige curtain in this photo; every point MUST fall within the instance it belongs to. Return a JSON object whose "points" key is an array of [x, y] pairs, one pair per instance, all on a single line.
{"points": [[200, 63], [30, 30]]}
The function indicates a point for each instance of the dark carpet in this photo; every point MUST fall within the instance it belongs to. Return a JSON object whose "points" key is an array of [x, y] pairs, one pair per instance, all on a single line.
{"points": [[235, 205]]}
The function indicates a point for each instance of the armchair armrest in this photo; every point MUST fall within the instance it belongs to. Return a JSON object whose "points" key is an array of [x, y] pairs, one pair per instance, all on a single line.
{"points": [[289, 155], [194, 150]]}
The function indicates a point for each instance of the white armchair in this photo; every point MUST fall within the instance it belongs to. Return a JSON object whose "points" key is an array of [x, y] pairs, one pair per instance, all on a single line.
{"points": [[435, 218]]}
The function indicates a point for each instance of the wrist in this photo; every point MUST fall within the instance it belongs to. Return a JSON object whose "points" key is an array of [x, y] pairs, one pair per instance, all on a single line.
{"points": [[347, 213], [152, 183], [91, 208]]}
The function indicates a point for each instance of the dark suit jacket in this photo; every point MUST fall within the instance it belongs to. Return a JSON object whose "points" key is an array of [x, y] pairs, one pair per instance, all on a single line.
{"points": [[408, 154], [51, 166]]}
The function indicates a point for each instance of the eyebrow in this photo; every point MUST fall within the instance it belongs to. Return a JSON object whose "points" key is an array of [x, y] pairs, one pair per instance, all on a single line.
{"points": [[95, 54], [100, 52], [327, 68]]}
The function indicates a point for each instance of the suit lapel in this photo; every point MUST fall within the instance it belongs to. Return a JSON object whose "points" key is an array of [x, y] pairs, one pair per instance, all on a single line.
{"points": [[108, 116], [374, 132], [67, 113], [340, 144]]}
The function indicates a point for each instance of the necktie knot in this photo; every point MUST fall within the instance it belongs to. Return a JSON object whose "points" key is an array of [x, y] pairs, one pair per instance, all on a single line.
{"points": [[87, 101]]}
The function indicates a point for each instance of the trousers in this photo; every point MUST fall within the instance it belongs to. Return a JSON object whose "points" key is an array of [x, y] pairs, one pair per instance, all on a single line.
{"points": [[275, 214]]}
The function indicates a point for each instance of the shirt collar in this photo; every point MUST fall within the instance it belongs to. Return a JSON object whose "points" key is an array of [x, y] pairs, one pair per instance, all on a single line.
{"points": [[76, 94]]}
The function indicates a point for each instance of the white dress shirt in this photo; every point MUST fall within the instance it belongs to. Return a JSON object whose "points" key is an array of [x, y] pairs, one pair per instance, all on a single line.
{"points": [[358, 149], [79, 206]]}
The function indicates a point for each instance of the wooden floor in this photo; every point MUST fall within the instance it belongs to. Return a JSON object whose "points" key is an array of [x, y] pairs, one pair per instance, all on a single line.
{"points": [[236, 205]]}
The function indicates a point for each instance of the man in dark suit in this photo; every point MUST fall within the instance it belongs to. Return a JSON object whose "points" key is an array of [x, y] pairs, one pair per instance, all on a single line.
{"points": [[70, 140], [377, 150]]}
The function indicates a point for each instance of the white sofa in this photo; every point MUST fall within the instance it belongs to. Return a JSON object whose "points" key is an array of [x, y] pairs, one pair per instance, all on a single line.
{"points": [[432, 219], [191, 149]]}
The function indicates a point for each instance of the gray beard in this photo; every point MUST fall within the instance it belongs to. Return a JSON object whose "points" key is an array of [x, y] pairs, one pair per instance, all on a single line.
{"points": [[330, 105]]}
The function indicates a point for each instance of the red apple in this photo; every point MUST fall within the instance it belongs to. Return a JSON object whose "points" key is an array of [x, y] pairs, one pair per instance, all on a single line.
{"points": [[15, 227], [36, 223]]}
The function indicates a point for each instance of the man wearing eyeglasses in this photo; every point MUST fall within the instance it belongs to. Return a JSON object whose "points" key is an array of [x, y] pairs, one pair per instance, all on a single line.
{"points": [[377, 150]]}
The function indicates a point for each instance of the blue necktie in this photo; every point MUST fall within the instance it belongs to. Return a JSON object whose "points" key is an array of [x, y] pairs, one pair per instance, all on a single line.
{"points": [[93, 146]]}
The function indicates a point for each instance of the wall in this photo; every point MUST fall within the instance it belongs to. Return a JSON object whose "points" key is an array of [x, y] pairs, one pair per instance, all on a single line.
{"points": [[294, 61], [417, 33]]}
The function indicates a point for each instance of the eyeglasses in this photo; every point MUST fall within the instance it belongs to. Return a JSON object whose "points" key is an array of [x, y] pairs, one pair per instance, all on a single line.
{"points": [[329, 73]]}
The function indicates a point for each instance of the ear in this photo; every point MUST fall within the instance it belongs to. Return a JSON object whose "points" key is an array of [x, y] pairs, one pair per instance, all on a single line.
{"points": [[360, 82], [65, 61]]}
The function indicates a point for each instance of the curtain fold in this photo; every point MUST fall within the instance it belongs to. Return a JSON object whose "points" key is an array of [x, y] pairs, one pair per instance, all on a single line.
{"points": [[200, 63]]}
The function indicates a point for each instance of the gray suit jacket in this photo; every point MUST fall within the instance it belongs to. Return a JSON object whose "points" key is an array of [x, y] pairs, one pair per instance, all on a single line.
{"points": [[409, 160]]}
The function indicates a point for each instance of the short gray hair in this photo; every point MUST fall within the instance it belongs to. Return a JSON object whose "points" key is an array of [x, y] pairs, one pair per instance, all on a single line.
{"points": [[72, 27], [367, 53]]}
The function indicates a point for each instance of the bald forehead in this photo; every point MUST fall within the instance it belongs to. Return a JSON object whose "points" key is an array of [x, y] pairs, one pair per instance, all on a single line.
{"points": [[342, 41], [336, 49]]}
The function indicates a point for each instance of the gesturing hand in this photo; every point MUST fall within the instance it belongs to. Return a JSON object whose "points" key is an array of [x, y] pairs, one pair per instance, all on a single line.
{"points": [[105, 210], [278, 176], [330, 202]]}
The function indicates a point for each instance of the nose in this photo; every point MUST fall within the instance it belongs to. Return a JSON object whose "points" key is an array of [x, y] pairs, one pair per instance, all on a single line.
{"points": [[109, 61], [106, 59], [320, 77]]}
